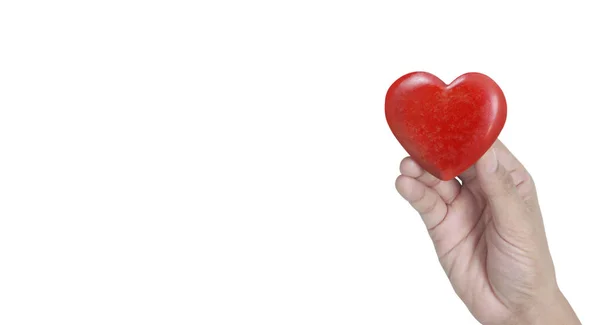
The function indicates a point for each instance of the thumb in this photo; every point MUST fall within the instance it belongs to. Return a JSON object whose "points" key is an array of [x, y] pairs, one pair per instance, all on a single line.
{"points": [[508, 210]]}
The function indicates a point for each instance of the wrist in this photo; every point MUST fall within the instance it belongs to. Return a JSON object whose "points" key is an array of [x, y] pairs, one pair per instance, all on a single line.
{"points": [[554, 310]]}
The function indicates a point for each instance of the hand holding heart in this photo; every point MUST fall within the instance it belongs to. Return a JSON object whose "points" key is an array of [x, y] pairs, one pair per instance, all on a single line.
{"points": [[445, 128], [487, 229]]}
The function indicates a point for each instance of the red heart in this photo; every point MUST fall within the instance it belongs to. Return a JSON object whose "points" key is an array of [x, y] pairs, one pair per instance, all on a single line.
{"points": [[445, 128]]}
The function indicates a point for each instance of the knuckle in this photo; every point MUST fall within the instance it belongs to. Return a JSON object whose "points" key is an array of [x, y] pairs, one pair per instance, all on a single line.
{"points": [[429, 206], [504, 184]]}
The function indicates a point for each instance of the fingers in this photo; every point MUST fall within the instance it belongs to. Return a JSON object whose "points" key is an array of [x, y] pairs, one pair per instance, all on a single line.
{"points": [[447, 190], [424, 199]]}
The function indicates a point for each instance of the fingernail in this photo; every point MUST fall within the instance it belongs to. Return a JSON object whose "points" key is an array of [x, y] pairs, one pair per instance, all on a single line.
{"points": [[490, 161]]}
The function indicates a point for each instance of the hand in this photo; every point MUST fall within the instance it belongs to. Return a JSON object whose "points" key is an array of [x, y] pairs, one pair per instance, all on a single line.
{"points": [[490, 239]]}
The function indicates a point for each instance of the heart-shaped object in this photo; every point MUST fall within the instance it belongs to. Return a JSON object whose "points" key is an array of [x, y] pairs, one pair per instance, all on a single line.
{"points": [[445, 128]]}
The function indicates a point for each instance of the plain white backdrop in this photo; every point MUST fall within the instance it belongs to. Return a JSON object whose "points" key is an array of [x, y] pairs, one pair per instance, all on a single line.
{"points": [[228, 162]]}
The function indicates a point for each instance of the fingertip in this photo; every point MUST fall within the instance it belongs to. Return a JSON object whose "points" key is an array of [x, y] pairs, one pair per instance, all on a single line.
{"points": [[406, 186], [402, 185], [403, 163], [409, 167]]}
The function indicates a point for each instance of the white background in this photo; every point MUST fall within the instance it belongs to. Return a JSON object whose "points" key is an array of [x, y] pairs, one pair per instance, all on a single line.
{"points": [[221, 162]]}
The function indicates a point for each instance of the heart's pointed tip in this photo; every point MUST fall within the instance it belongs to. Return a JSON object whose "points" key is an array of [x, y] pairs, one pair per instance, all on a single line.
{"points": [[446, 177]]}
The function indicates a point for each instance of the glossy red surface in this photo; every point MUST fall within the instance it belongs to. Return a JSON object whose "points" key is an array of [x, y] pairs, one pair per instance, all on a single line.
{"points": [[445, 128]]}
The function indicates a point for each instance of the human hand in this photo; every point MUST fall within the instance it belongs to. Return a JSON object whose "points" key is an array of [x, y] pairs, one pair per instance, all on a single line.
{"points": [[489, 236]]}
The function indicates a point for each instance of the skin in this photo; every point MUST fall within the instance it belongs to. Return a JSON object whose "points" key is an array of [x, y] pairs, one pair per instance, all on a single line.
{"points": [[489, 236]]}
